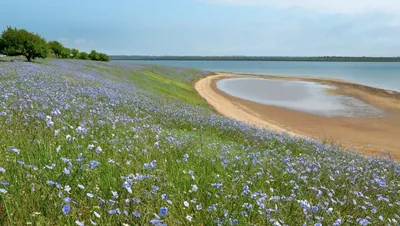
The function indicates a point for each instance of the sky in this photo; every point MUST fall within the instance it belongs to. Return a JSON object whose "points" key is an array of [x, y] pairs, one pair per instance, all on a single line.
{"points": [[214, 27]]}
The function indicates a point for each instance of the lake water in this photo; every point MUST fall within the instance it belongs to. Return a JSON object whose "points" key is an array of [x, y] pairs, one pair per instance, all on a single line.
{"points": [[296, 95], [376, 74]]}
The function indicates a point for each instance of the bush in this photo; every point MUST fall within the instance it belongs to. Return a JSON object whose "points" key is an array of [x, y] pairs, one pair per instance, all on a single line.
{"points": [[66, 53], [56, 48], [74, 53], [16, 42], [94, 55], [104, 57], [83, 56]]}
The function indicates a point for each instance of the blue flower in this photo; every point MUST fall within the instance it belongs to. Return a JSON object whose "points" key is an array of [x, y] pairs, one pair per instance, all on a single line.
{"points": [[136, 214], [93, 164], [14, 149], [164, 196], [66, 209], [163, 211], [66, 171]]}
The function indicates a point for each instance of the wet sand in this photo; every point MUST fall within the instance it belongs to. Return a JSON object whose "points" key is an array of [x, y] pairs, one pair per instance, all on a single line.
{"points": [[369, 135]]}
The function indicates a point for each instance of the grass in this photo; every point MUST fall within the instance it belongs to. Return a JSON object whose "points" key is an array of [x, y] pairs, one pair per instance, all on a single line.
{"points": [[112, 144]]}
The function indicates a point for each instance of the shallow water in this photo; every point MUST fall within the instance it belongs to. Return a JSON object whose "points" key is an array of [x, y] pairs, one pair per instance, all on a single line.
{"points": [[377, 74], [297, 95]]}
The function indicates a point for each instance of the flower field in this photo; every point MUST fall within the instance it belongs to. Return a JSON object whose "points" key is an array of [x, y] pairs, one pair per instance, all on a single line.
{"points": [[95, 143]]}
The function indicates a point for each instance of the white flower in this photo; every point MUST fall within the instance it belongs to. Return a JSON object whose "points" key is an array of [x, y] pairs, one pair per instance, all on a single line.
{"points": [[194, 188], [186, 203], [189, 218]]}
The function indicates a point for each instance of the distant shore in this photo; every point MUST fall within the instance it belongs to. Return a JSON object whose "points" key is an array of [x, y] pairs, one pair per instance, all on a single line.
{"points": [[262, 58], [368, 135]]}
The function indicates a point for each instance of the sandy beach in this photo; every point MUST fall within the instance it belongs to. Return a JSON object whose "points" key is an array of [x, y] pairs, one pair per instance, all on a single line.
{"points": [[369, 135]]}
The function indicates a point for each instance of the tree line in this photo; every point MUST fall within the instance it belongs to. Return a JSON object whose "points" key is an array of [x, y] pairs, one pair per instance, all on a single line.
{"points": [[262, 58], [20, 42]]}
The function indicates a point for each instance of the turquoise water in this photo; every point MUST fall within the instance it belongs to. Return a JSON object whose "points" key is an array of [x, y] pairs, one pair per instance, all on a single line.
{"points": [[376, 74], [301, 96]]}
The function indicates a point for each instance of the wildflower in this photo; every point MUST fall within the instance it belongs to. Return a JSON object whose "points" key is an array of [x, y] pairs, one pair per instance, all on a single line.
{"points": [[199, 207], [92, 222], [156, 222], [163, 211], [98, 150], [79, 223], [234, 222], [155, 188], [13, 149], [66, 209], [185, 203], [90, 195], [2, 170], [189, 218], [136, 214], [81, 186], [164, 196], [96, 214], [67, 188], [217, 185], [194, 188], [362, 221], [185, 157], [67, 199], [58, 149], [305, 205], [116, 211], [114, 194], [2, 190], [66, 171], [314, 209], [93, 164]]}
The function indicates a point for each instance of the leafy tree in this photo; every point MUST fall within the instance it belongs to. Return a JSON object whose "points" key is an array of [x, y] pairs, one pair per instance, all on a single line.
{"points": [[104, 57], [74, 53], [16, 42], [83, 56], [56, 48], [94, 55], [66, 53]]}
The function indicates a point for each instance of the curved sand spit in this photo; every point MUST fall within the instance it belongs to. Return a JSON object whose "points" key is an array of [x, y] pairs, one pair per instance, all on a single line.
{"points": [[368, 135]]}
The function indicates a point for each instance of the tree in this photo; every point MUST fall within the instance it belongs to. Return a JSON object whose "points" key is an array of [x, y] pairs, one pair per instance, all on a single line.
{"points": [[66, 53], [74, 53], [56, 48], [83, 56], [94, 55], [104, 57], [16, 42]]}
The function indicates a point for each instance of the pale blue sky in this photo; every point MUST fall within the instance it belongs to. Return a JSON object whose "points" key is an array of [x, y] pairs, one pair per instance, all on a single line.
{"points": [[214, 27]]}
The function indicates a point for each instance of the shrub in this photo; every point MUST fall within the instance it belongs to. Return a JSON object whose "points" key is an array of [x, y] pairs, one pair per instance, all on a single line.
{"points": [[83, 56], [16, 42], [56, 48]]}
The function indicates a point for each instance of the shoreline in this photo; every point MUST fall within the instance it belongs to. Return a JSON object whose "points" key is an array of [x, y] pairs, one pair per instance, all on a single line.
{"points": [[367, 135]]}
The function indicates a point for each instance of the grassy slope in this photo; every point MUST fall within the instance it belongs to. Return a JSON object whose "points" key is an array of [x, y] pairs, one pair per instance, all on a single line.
{"points": [[140, 115]]}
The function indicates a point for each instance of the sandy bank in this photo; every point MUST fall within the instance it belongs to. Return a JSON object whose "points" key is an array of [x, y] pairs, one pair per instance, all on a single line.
{"points": [[368, 135]]}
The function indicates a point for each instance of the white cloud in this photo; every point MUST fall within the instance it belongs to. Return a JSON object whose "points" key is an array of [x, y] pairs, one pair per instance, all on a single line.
{"points": [[335, 6]]}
